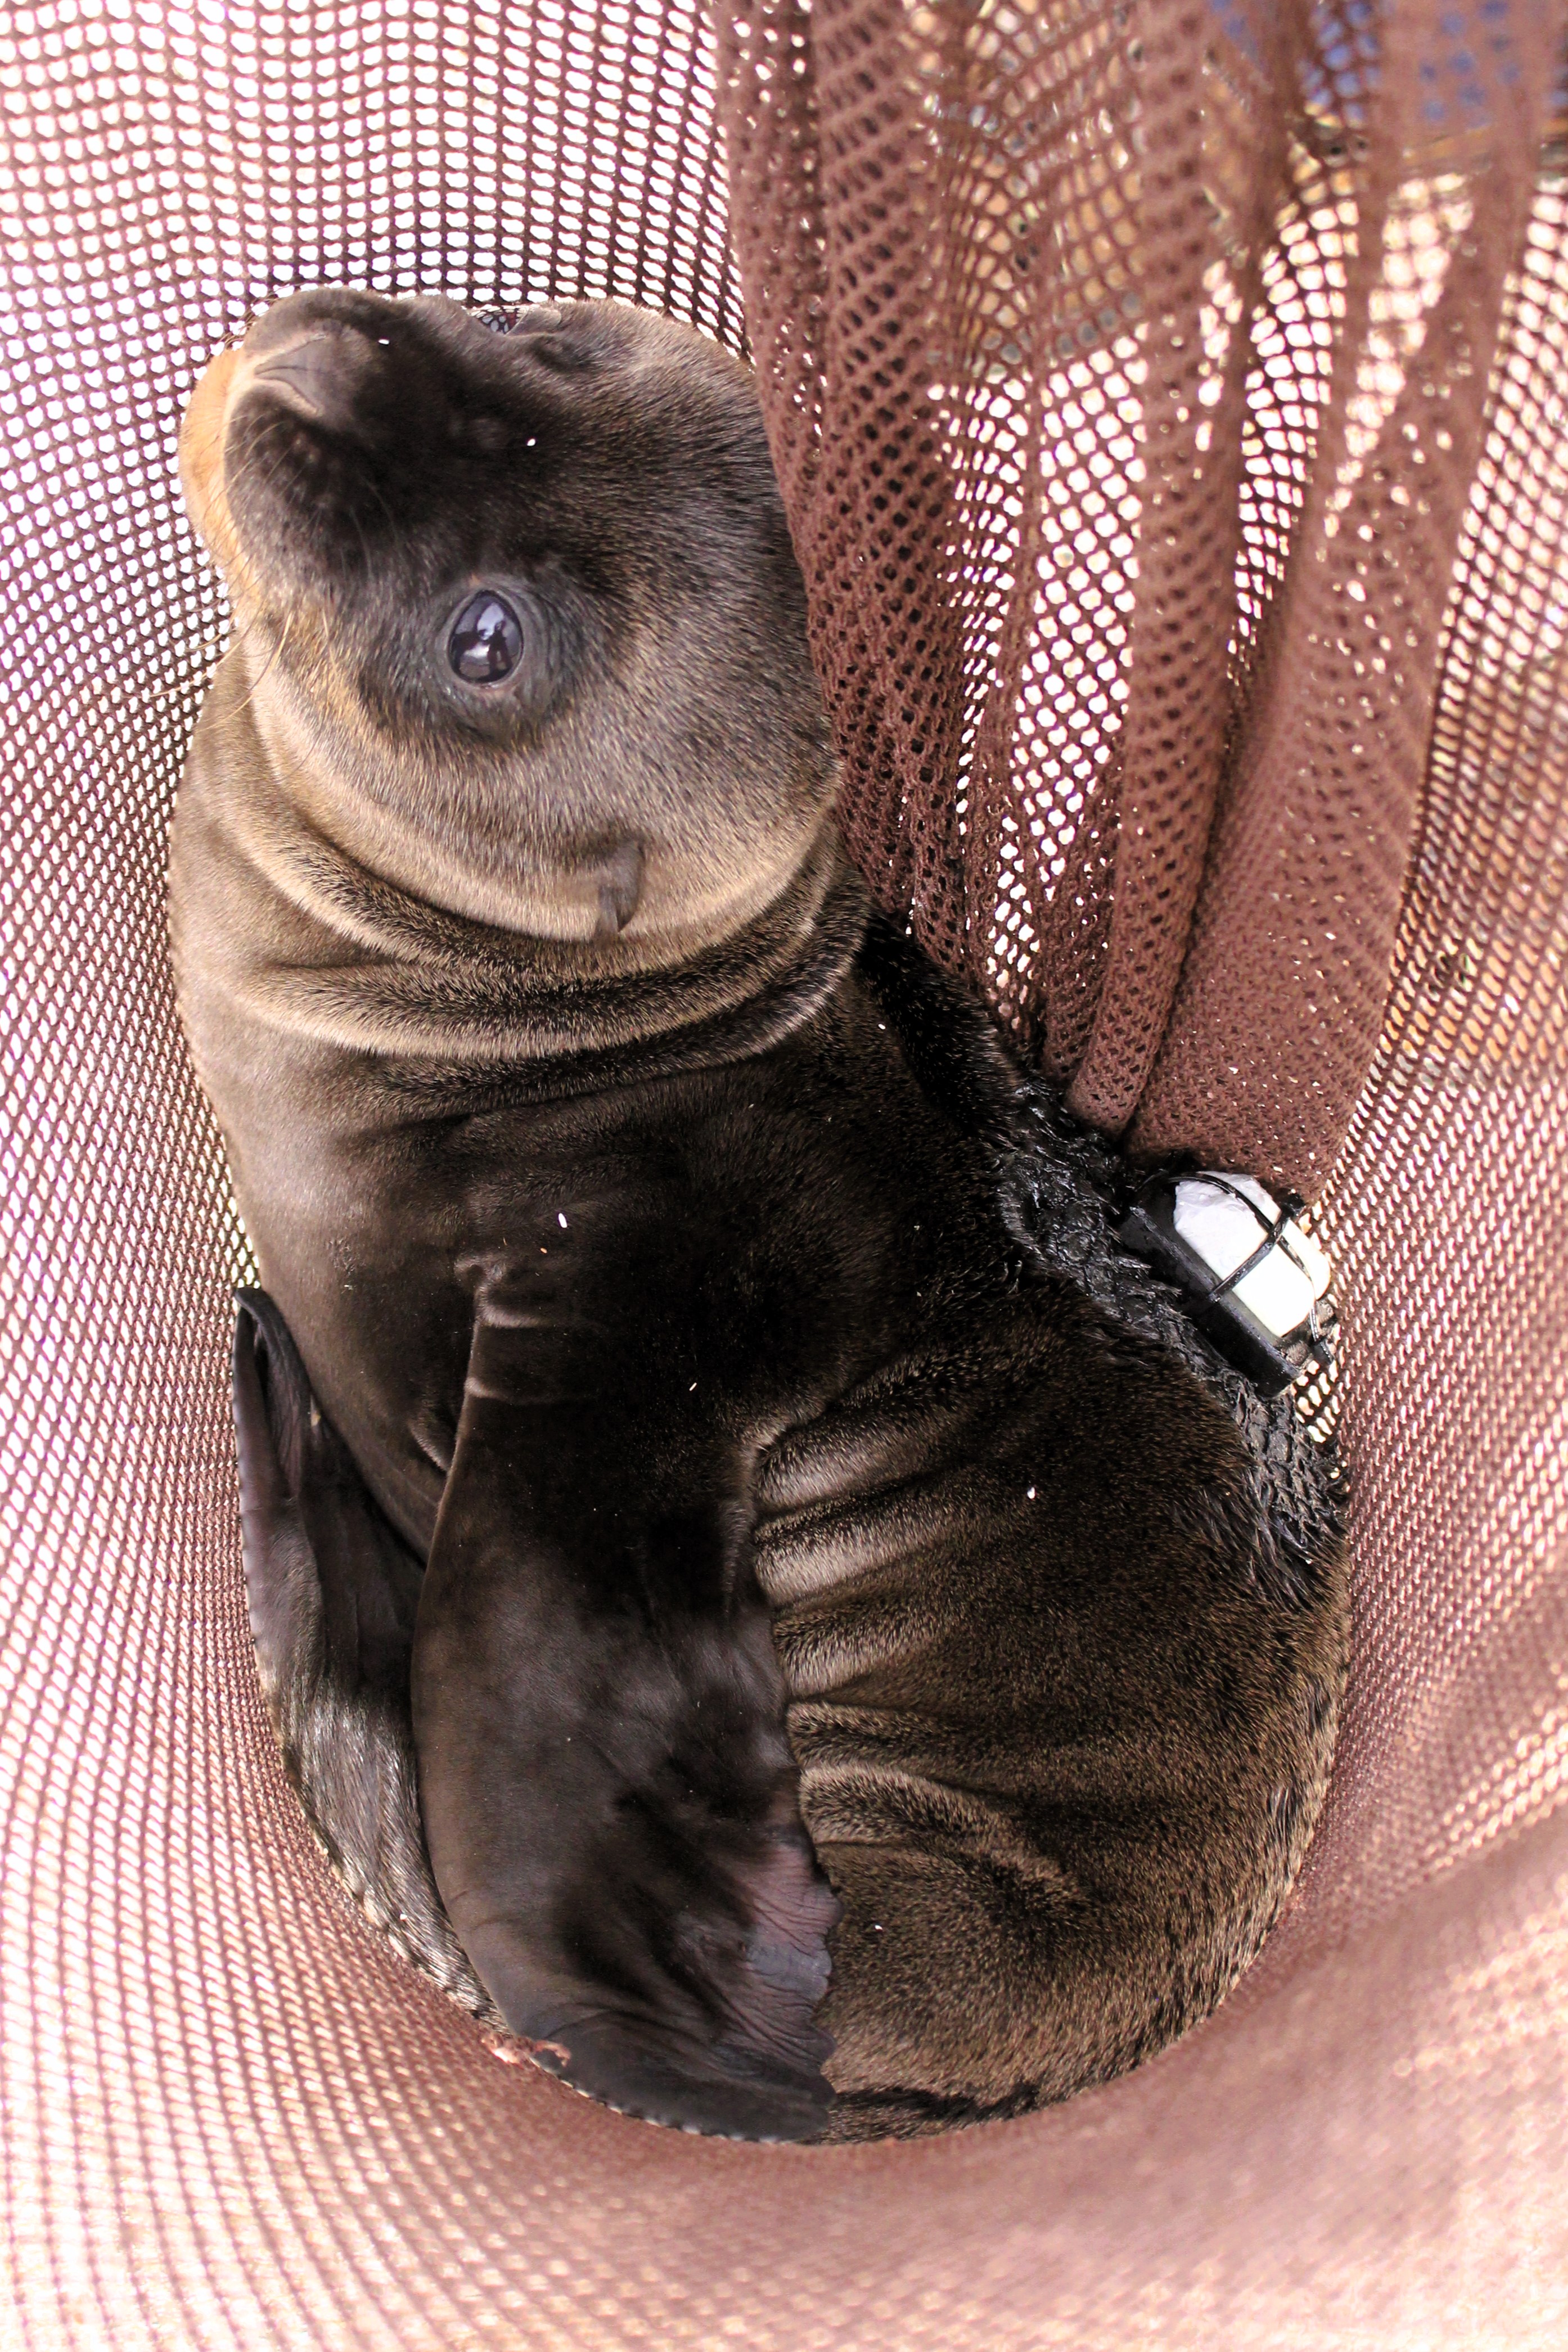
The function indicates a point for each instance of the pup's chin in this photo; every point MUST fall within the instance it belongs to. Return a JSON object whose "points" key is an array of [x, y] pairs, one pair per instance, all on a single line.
{"points": [[630, 905], [592, 901]]}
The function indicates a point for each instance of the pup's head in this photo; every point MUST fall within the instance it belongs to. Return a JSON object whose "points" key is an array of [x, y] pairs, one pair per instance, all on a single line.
{"points": [[523, 624]]}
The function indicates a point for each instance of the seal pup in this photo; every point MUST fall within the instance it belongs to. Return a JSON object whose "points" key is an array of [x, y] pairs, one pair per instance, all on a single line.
{"points": [[714, 1501]]}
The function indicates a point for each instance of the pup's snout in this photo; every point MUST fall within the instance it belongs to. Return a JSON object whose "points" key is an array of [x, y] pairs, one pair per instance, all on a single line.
{"points": [[321, 377]]}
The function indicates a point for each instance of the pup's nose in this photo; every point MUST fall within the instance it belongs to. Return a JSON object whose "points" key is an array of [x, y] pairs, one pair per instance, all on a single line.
{"points": [[320, 377]]}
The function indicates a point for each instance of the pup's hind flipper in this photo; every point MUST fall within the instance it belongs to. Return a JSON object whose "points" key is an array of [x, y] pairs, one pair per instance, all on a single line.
{"points": [[607, 1792], [1061, 1746], [333, 1590]]}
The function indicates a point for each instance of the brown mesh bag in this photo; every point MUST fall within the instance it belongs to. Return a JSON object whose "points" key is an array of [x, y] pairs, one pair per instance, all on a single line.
{"points": [[1168, 402]]}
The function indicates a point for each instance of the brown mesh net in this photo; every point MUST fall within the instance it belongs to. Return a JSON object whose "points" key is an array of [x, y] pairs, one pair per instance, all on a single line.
{"points": [[1168, 402]]}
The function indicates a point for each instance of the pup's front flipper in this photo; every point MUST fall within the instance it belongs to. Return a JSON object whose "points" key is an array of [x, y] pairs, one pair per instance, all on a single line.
{"points": [[333, 1593], [608, 1795]]}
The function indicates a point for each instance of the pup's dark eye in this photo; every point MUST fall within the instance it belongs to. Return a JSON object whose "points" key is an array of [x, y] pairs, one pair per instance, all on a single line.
{"points": [[486, 643]]}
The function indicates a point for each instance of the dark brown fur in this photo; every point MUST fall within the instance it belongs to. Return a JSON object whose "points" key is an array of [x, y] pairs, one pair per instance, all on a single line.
{"points": [[702, 1331]]}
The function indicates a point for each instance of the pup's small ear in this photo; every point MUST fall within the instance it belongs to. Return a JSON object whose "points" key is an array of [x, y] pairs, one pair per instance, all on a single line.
{"points": [[201, 453]]}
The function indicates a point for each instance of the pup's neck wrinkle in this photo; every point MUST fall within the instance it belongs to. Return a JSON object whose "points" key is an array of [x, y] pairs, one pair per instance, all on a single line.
{"points": [[334, 955], [712, 1031], [437, 990], [612, 888]]}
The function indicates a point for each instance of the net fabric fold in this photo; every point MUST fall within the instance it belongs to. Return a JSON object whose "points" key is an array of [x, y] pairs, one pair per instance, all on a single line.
{"points": [[1025, 242], [1127, 367]]}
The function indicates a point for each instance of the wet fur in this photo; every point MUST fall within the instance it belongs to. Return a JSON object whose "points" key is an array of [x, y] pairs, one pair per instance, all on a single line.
{"points": [[665, 1330]]}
